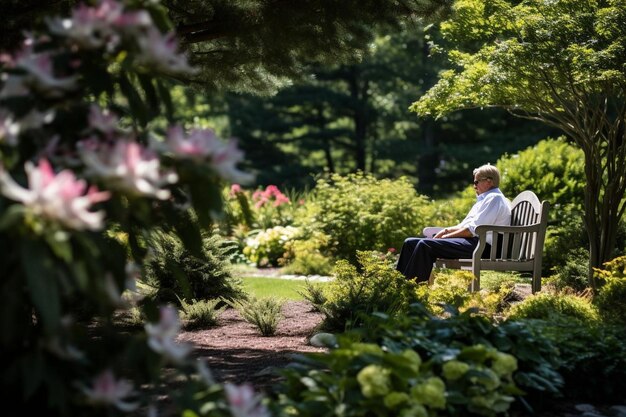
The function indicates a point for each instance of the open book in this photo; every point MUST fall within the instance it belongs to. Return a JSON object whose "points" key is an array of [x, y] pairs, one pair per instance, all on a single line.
{"points": [[431, 231]]}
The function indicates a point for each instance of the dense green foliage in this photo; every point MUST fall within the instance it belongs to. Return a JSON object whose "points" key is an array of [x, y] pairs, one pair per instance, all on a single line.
{"points": [[555, 307], [177, 273], [591, 357], [554, 170], [375, 286], [365, 379], [611, 297], [359, 212]]}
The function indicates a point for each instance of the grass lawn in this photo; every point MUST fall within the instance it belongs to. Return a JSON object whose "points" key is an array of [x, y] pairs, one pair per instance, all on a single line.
{"points": [[274, 287]]}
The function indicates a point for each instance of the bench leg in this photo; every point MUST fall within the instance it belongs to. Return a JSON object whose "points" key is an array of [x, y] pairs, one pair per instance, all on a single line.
{"points": [[475, 285], [536, 284]]}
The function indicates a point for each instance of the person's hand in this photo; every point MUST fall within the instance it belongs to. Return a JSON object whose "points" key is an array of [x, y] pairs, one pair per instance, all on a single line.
{"points": [[441, 233]]}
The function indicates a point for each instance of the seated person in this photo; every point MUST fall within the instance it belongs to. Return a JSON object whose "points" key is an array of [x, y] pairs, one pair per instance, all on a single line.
{"points": [[492, 207]]}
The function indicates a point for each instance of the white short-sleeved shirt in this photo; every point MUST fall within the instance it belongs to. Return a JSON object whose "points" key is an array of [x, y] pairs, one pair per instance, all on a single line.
{"points": [[491, 207]]}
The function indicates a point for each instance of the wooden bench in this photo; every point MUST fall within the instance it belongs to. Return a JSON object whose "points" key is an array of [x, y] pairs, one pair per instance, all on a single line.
{"points": [[519, 246]]}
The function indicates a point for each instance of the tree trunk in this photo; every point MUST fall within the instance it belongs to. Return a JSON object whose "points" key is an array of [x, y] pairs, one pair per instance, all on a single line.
{"points": [[358, 94], [605, 171]]}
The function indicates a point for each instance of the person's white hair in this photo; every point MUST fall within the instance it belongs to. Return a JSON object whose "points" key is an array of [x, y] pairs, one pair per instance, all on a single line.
{"points": [[488, 171]]}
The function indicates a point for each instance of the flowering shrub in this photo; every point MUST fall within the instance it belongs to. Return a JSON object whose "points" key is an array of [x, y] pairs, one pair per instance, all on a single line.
{"points": [[84, 178], [267, 248], [259, 209]]}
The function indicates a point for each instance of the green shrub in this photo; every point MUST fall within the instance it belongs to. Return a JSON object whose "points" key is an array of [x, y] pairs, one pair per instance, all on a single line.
{"points": [[359, 212], [177, 274], [611, 297], [592, 358], [448, 289], [263, 313], [369, 380], [572, 274], [379, 287], [202, 313], [314, 294], [435, 338], [557, 307]]}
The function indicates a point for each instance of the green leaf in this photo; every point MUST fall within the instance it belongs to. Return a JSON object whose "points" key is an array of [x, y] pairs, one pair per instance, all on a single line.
{"points": [[60, 244], [181, 277], [166, 98], [137, 106], [12, 215], [187, 229], [150, 94], [42, 285]]}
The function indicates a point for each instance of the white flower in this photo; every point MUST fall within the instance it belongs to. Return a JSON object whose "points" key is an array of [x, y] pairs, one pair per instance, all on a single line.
{"points": [[9, 128], [162, 336], [160, 52], [243, 402], [40, 74], [102, 25], [106, 390], [103, 120], [128, 167], [59, 197]]}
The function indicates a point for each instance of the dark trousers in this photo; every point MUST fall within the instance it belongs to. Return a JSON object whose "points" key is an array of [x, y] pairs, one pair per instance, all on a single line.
{"points": [[419, 254]]}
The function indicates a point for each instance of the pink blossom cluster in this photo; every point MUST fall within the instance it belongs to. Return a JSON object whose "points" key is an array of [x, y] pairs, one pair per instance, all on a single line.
{"points": [[127, 166], [271, 195], [57, 197], [162, 335], [203, 145], [108, 24], [107, 390], [243, 402]]}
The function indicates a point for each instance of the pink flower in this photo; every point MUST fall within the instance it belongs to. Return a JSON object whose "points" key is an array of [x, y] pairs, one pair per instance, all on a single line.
{"points": [[59, 197], [243, 402], [271, 194], [203, 145], [161, 336], [106, 390], [391, 250], [128, 167], [103, 120], [235, 189]]}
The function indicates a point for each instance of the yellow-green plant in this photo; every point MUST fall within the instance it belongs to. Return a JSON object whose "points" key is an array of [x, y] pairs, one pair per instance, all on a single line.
{"points": [[368, 379], [611, 295], [555, 307], [201, 313], [377, 286], [264, 313]]}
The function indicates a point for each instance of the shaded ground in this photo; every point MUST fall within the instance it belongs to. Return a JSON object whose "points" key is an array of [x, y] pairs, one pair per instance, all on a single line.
{"points": [[236, 352]]}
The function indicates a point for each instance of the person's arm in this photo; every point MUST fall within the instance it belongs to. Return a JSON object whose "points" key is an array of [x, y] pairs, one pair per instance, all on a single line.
{"points": [[450, 232]]}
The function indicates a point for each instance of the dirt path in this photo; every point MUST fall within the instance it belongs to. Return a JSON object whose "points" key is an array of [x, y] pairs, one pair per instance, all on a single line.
{"points": [[236, 352]]}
